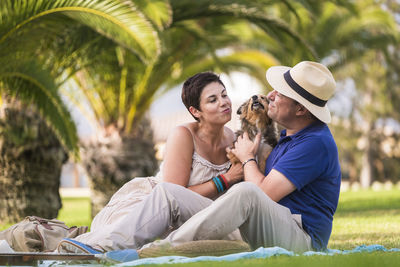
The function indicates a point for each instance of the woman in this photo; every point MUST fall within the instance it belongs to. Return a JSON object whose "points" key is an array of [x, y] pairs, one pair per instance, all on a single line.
{"points": [[148, 208]]}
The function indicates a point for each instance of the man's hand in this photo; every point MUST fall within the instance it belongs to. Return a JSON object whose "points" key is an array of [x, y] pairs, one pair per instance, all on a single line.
{"points": [[245, 148], [275, 184]]}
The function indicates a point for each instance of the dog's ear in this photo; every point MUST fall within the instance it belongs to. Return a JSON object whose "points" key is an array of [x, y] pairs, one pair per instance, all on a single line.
{"points": [[239, 111], [242, 108]]}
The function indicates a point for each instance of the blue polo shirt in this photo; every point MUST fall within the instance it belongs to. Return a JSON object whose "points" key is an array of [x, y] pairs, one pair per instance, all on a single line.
{"points": [[309, 159]]}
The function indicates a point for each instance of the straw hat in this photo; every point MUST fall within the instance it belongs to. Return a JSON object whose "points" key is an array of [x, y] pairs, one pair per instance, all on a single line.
{"points": [[309, 83]]}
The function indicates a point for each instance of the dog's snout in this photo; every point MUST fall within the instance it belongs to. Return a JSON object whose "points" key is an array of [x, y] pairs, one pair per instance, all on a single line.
{"points": [[254, 97]]}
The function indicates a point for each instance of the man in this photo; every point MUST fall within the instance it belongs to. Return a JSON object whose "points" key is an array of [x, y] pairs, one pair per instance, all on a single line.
{"points": [[293, 203]]}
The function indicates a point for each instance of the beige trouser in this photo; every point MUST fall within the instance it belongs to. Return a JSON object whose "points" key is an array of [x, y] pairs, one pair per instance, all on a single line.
{"points": [[262, 221], [166, 208]]}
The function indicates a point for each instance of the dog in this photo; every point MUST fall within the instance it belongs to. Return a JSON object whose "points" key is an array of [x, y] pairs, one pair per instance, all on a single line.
{"points": [[254, 119]]}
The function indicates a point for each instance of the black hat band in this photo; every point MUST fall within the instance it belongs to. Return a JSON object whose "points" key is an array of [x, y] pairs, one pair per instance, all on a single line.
{"points": [[301, 91]]}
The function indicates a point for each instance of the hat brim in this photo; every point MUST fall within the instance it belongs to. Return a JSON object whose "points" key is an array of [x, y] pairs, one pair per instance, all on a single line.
{"points": [[275, 78]]}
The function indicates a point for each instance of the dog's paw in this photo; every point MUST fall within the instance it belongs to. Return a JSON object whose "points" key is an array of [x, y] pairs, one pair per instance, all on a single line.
{"points": [[232, 157]]}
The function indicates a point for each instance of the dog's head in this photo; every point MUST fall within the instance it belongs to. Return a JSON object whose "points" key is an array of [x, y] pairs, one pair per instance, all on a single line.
{"points": [[254, 119], [255, 110]]}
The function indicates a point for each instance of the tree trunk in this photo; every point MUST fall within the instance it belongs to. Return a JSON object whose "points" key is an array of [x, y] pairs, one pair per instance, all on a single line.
{"points": [[366, 160], [31, 158], [112, 159]]}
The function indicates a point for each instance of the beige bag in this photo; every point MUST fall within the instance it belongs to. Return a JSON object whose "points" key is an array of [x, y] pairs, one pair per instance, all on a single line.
{"points": [[35, 234]]}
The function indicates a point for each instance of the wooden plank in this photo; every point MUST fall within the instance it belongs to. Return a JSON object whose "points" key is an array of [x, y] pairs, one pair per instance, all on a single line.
{"points": [[27, 258]]}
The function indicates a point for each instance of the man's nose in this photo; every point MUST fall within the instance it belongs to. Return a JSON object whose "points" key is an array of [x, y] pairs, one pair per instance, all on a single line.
{"points": [[271, 95], [254, 97]]}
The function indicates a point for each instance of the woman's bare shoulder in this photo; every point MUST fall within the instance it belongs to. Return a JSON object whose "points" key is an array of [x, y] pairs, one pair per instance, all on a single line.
{"points": [[230, 135], [188, 129], [179, 143], [191, 126], [183, 135], [182, 132]]}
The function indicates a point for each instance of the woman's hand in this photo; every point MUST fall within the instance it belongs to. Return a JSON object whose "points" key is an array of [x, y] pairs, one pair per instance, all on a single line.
{"points": [[234, 174], [245, 148]]}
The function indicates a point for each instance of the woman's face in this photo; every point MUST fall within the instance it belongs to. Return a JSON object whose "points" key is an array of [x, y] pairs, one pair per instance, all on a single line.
{"points": [[215, 105]]}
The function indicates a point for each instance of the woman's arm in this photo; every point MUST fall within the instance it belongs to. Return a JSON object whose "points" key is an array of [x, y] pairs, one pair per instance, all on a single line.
{"points": [[178, 162], [178, 156]]}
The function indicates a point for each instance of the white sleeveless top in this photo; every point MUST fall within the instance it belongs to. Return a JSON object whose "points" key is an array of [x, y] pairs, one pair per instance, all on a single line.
{"points": [[202, 170], [135, 190]]}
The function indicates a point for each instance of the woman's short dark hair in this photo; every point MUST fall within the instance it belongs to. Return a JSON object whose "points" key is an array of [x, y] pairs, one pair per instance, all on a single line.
{"points": [[192, 88]]}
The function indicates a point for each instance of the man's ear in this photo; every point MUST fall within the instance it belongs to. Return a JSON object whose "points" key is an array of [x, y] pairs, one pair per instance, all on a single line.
{"points": [[301, 110], [194, 111]]}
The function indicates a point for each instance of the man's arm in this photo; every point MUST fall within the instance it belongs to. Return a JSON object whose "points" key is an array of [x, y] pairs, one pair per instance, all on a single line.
{"points": [[275, 184]]}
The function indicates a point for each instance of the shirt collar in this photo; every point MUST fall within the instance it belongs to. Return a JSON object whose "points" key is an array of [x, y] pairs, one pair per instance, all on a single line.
{"points": [[306, 129]]}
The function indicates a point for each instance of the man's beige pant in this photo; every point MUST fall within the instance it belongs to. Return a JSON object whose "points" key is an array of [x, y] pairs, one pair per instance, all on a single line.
{"points": [[261, 221]]}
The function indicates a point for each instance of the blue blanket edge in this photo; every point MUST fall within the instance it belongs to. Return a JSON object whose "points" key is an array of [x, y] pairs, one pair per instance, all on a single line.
{"points": [[256, 254]]}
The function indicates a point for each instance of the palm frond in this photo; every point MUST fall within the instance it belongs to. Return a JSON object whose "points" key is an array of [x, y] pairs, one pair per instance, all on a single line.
{"points": [[237, 9], [348, 37], [108, 81], [119, 21], [253, 62], [158, 11], [316, 7], [33, 84]]}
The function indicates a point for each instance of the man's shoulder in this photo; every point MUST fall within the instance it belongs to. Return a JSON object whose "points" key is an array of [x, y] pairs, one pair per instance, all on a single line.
{"points": [[318, 133], [315, 145], [317, 128]]}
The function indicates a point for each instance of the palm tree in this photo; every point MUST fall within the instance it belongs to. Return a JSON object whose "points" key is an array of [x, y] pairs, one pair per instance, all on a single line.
{"points": [[364, 61], [40, 42], [112, 49]]}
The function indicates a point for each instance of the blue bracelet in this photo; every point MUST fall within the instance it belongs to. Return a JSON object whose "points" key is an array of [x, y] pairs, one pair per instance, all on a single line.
{"points": [[216, 181], [218, 184]]}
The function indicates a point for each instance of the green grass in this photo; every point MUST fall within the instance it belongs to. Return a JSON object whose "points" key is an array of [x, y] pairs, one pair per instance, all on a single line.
{"points": [[354, 260], [367, 217], [75, 211], [364, 260], [363, 217]]}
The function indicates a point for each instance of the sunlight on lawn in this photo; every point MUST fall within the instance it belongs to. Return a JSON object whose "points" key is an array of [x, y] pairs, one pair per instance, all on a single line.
{"points": [[75, 211], [363, 218], [364, 260], [366, 218]]}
